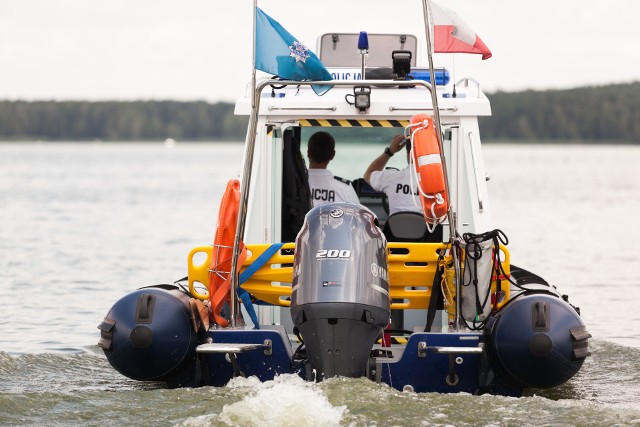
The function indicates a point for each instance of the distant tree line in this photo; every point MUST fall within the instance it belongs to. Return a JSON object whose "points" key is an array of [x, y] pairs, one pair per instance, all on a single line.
{"points": [[588, 114], [120, 121]]}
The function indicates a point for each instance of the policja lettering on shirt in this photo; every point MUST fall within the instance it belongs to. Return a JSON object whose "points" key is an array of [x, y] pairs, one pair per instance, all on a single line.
{"points": [[405, 189], [323, 194]]}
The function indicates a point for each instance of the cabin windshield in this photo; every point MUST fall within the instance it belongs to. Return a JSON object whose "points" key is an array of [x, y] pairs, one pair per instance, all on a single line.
{"points": [[356, 148], [358, 144]]}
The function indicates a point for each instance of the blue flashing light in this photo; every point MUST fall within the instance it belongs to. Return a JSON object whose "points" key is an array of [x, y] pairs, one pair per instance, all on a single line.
{"points": [[441, 74], [363, 41]]}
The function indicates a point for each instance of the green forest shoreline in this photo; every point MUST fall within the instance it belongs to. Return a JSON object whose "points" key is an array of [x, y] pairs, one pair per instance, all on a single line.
{"points": [[600, 114]]}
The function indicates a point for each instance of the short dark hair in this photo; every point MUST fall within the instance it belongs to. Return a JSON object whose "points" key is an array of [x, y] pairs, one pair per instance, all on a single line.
{"points": [[321, 147]]}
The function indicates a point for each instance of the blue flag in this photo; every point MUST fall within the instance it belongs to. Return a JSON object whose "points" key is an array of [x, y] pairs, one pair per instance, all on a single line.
{"points": [[279, 53]]}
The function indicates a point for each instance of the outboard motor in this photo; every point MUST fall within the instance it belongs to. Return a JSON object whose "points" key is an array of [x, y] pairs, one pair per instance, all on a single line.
{"points": [[537, 340], [149, 334], [340, 299]]}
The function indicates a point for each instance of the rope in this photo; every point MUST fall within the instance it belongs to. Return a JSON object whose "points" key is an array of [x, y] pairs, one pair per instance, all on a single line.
{"points": [[474, 250]]}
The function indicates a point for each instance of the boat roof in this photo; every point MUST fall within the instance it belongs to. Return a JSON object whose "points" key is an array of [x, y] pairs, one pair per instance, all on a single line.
{"points": [[337, 49], [386, 103], [344, 62]]}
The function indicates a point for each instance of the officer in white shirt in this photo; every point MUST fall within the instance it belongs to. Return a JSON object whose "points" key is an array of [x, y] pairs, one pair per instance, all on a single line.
{"points": [[326, 188], [396, 184]]}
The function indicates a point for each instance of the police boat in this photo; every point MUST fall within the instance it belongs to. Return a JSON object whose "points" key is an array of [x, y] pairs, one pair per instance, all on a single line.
{"points": [[425, 302]]}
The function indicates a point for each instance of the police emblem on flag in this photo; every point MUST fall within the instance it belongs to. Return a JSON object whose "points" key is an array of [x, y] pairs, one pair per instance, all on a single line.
{"points": [[299, 52]]}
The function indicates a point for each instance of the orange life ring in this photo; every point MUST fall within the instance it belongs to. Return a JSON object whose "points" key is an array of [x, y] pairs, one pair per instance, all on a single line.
{"points": [[429, 170], [220, 267]]}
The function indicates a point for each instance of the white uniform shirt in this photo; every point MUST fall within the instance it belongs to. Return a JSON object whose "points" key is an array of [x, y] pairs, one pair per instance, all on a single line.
{"points": [[396, 184], [326, 189]]}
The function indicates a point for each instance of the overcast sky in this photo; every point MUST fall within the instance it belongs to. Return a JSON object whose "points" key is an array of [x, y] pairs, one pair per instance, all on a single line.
{"points": [[201, 49]]}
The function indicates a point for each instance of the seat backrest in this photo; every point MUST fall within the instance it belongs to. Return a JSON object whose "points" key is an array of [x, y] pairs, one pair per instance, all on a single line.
{"points": [[410, 227]]}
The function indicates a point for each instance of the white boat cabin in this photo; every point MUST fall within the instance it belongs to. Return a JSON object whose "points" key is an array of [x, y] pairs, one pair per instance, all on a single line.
{"points": [[289, 115]]}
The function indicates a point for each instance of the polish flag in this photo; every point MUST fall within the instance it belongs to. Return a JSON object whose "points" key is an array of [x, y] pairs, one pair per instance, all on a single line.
{"points": [[452, 35]]}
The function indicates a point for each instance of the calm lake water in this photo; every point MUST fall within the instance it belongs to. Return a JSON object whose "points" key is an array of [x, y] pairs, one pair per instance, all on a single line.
{"points": [[83, 224]]}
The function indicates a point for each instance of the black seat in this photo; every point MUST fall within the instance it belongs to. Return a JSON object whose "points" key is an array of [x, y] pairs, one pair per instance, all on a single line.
{"points": [[410, 227]]}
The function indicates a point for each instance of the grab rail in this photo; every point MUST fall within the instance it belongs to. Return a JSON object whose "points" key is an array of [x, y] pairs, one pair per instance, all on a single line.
{"points": [[411, 267], [475, 171], [466, 80]]}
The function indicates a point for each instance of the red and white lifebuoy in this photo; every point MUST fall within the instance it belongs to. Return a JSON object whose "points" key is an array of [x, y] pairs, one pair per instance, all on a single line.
{"points": [[429, 169]]}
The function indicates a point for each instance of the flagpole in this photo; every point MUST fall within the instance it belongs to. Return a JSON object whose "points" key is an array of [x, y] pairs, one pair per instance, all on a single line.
{"points": [[253, 56], [244, 183], [451, 215], [434, 96]]}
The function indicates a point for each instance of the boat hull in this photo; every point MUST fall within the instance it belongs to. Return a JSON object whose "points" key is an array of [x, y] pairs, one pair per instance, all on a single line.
{"points": [[504, 358]]}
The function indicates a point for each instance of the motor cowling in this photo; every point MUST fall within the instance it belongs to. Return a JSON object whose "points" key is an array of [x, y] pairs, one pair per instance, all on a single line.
{"points": [[149, 334], [340, 297], [537, 340]]}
